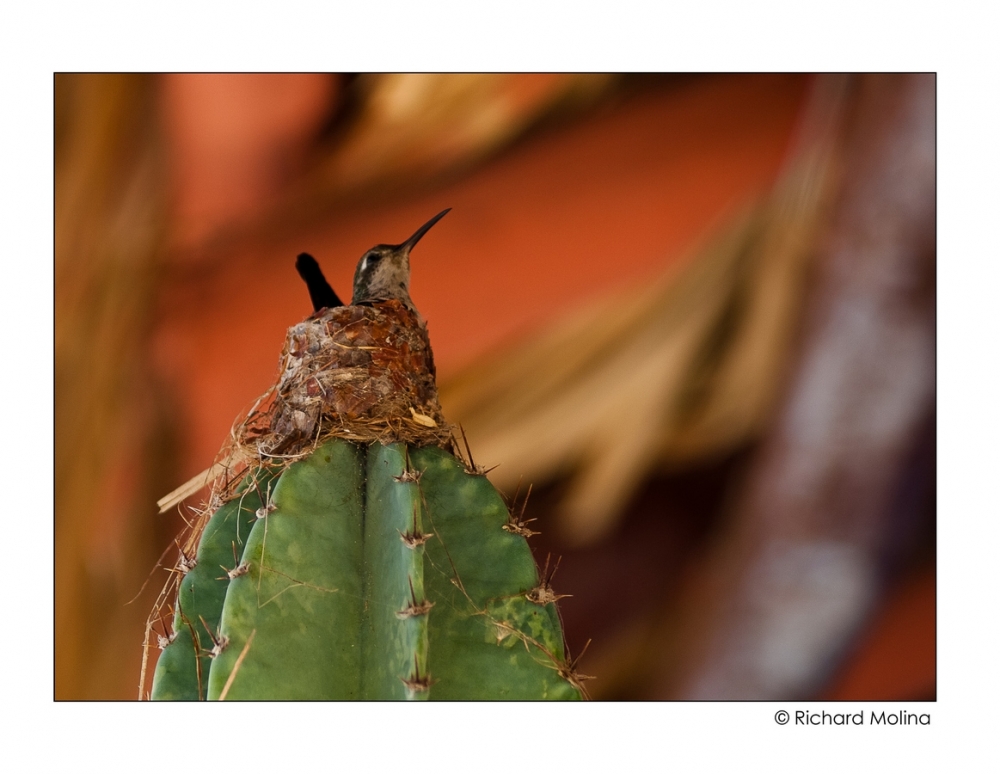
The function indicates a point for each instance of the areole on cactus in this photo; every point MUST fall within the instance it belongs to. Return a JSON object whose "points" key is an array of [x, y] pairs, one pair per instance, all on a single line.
{"points": [[348, 551]]}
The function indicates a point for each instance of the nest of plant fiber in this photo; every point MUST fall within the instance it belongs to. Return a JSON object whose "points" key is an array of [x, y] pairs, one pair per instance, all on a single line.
{"points": [[362, 373]]}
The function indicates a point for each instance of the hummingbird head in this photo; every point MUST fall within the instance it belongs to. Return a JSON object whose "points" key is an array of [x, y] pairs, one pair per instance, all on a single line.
{"points": [[383, 272]]}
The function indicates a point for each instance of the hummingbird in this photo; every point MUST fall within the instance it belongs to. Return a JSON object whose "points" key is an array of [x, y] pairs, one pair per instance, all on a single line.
{"points": [[383, 274], [357, 392]]}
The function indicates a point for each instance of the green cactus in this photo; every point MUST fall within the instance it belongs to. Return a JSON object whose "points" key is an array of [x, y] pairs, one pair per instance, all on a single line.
{"points": [[383, 572], [182, 669]]}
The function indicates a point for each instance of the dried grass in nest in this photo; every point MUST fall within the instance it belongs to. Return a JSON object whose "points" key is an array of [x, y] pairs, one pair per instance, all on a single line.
{"points": [[361, 373]]}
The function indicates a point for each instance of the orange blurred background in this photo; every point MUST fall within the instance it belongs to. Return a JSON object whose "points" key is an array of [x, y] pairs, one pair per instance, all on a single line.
{"points": [[694, 312]]}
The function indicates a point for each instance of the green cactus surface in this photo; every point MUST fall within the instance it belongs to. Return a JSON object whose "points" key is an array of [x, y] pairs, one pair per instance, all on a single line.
{"points": [[183, 667], [366, 572]]}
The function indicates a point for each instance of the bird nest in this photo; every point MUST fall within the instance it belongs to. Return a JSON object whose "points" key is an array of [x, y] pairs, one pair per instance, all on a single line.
{"points": [[362, 373]]}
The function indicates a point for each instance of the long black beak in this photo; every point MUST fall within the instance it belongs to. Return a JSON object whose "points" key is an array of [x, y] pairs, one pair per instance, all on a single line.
{"points": [[409, 243]]}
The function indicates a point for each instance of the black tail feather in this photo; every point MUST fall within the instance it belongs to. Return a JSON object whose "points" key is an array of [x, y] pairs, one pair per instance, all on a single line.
{"points": [[320, 292]]}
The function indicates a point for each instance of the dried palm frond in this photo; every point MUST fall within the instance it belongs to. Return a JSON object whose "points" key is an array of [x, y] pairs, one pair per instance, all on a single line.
{"points": [[415, 126], [109, 222], [679, 370]]}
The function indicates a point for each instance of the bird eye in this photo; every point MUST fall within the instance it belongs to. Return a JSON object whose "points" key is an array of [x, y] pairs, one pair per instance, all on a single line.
{"points": [[373, 258]]}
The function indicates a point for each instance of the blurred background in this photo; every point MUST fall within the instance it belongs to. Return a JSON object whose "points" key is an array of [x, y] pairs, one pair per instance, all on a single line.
{"points": [[695, 313]]}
